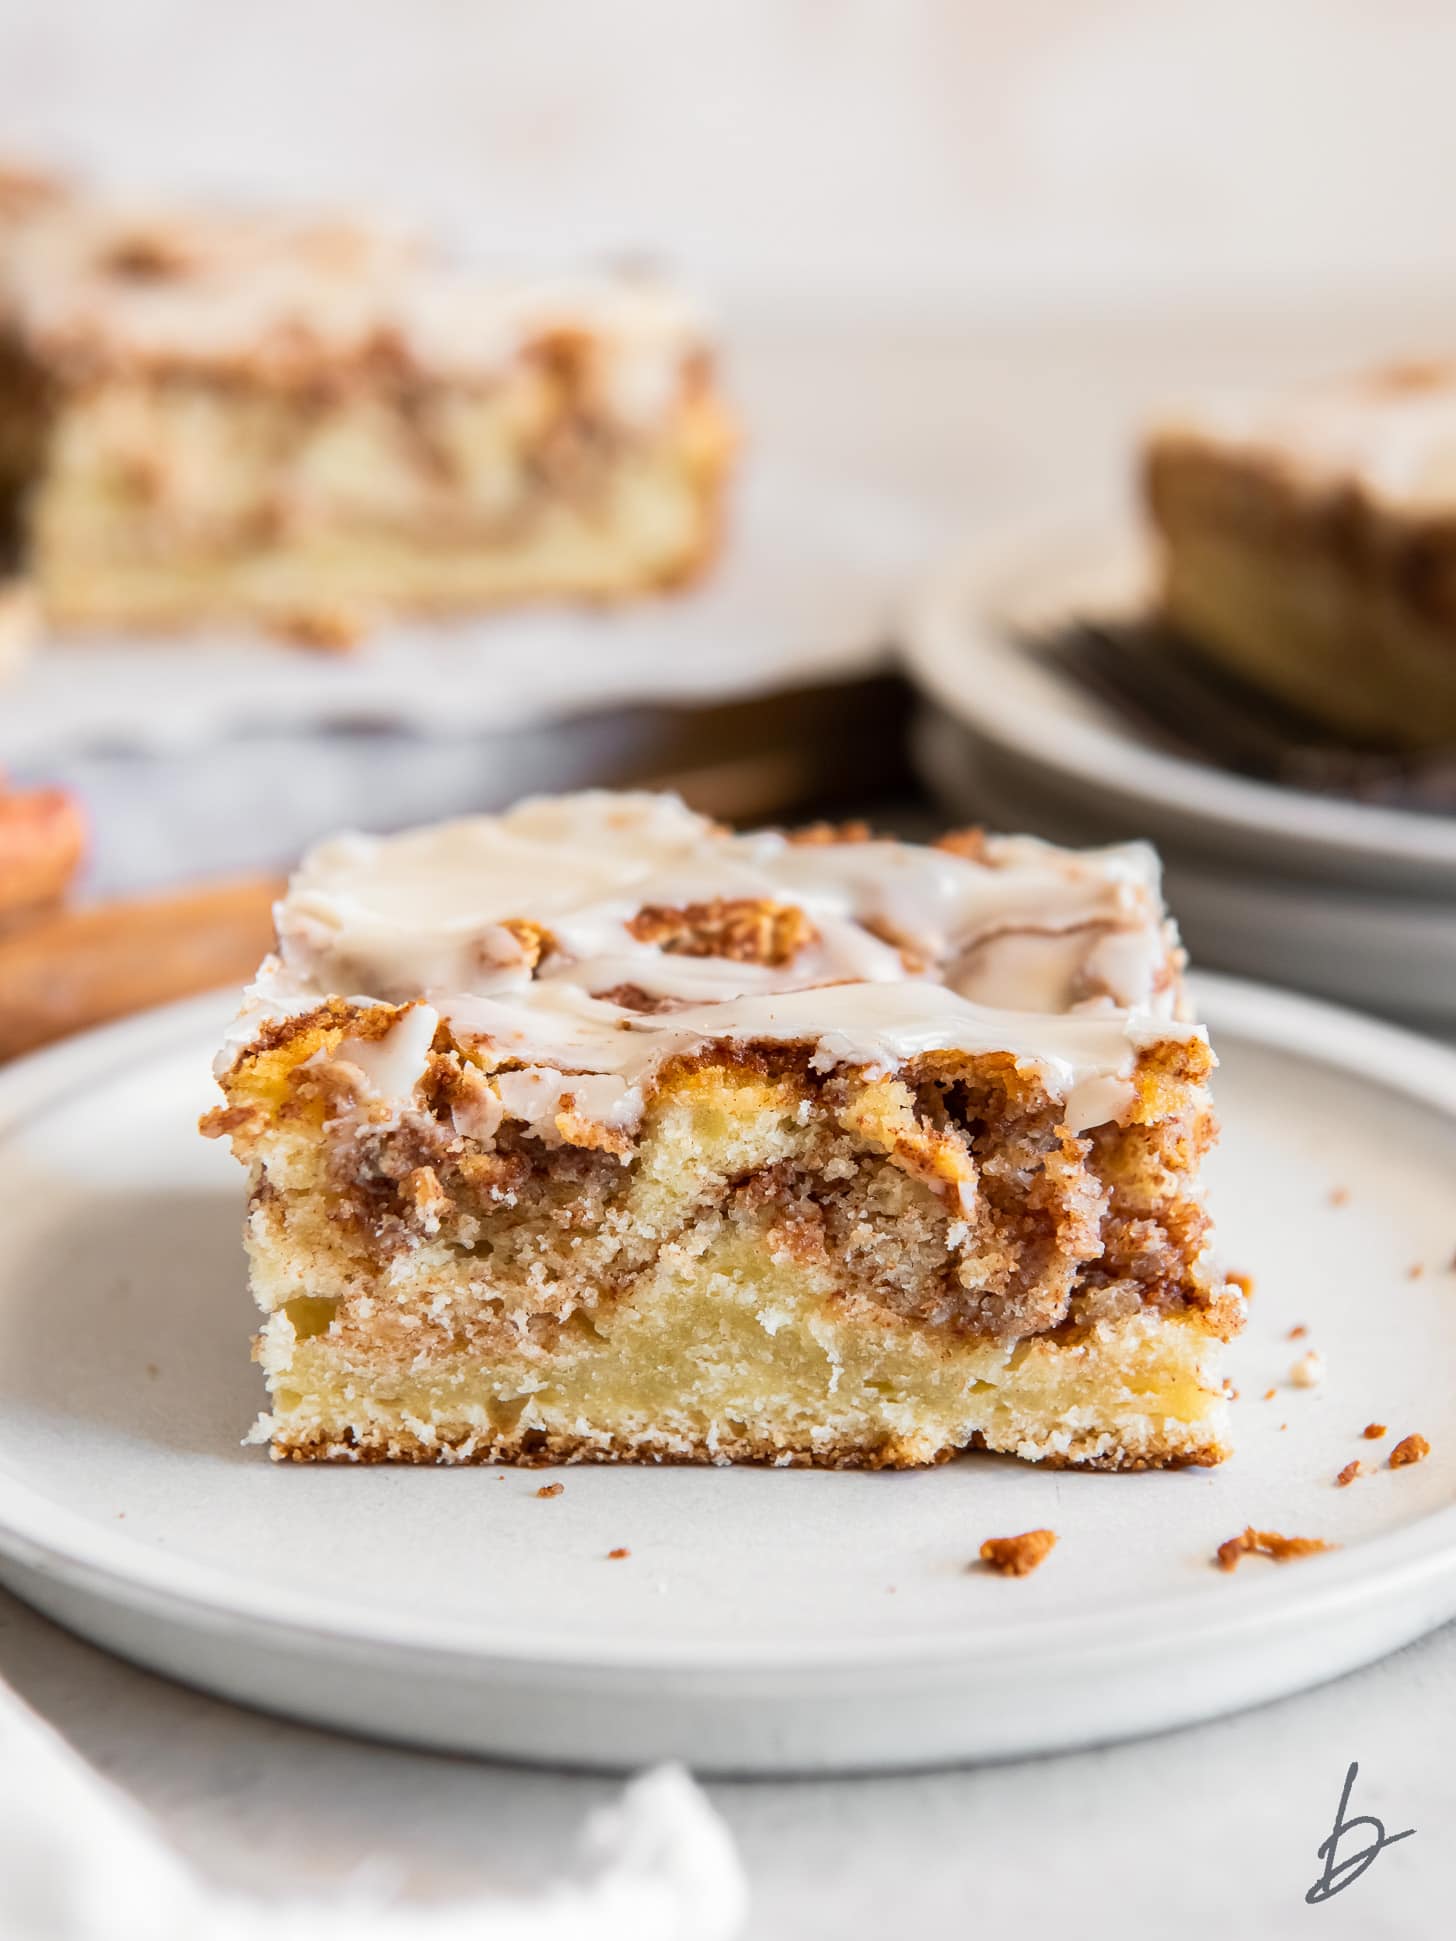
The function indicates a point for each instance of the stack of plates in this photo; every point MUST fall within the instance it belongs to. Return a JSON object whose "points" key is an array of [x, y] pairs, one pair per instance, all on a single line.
{"points": [[1351, 900]]}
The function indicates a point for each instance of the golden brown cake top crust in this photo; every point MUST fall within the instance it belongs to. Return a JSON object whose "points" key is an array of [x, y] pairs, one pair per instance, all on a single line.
{"points": [[577, 946], [1388, 435], [95, 289]]}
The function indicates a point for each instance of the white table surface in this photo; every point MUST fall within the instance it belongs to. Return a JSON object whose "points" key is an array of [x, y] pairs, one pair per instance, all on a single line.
{"points": [[1204, 1833]]}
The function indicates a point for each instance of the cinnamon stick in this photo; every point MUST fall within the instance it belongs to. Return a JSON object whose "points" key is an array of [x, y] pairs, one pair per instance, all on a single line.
{"points": [[82, 967]]}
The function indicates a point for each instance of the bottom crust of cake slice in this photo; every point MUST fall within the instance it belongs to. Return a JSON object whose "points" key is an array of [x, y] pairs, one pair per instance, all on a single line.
{"points": [[723, 1354]]}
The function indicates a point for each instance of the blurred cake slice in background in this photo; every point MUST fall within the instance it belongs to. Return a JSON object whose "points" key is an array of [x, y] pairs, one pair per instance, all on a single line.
{"points": [[217, 416], [1309, 545]]}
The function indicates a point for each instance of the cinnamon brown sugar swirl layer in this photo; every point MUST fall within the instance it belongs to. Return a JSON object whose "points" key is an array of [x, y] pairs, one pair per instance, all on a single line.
{"points": [[594, 1131]]}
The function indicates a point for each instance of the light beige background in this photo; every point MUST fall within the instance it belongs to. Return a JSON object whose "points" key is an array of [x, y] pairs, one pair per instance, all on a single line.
{"points": [[889, 154]]}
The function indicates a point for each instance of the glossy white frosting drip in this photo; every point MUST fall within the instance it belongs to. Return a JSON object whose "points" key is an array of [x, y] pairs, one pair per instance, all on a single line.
{"points": [[1063, 959], [1391, 434], [239, 285]]}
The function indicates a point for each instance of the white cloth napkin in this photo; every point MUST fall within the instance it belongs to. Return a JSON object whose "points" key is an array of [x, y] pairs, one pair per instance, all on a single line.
{"points": [[79, 1861]]}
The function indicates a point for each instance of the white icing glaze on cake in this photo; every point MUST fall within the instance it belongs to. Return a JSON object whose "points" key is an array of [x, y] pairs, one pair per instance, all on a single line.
{"points": [[96, 286], [1390, 434], [1063, 959]]}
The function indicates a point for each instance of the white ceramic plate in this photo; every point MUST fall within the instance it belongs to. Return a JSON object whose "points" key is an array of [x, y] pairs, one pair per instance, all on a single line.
{"points": [[806, 591], [1387, 952], [962, 636], [765, 1620]]}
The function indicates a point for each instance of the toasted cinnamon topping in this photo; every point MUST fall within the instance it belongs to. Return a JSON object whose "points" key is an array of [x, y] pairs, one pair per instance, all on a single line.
{"points": [[970, 843], [1018, 1556], [551, 1489], [535, 940], [1373, 1431], [329, 630], [1409, 1450], [748, 930], [1408, 374], [150, 254], [820, 835], [1348, 1474], [1268, 1543]]}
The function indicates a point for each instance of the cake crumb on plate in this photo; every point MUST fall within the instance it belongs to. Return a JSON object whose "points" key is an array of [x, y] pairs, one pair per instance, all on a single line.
{"points": [[1018, 1556], [1268, 1543], [1410, 1449]]}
